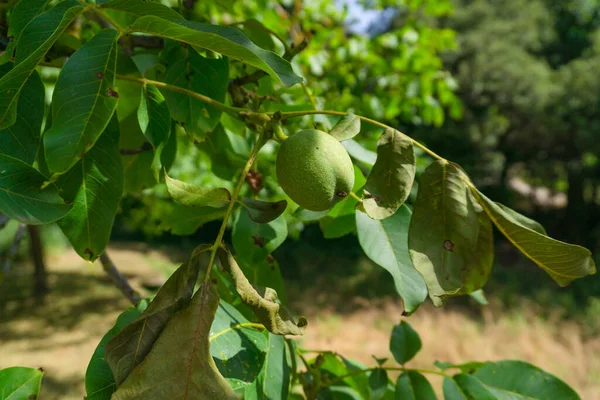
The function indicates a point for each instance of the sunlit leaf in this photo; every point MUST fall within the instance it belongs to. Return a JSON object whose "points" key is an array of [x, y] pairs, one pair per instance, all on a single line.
{"points": [[274, 379], [386, 243], [405, 343], [412, 385], [183, 220], [131, 346], [140, 8], [391, 179], [197, 196], [263, 211], [180, 363], [228, 41], [562, 261], [36, 39], [346, 128], [22, 196], [359, 153], [96, 183], [83, 102], [20, 383]]}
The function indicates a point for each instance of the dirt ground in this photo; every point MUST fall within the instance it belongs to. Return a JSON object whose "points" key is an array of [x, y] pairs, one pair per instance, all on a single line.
{"points": [[61, 335]]}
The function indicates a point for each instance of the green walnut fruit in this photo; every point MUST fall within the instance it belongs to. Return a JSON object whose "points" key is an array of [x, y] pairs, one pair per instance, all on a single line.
{"points": [[314, 169]]}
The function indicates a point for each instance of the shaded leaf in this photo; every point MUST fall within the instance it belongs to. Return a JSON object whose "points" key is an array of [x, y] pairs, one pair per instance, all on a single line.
{"points": [[155, 123], [97, 183], [359, 153], [183, 220], [130, 347], [138, 170], [228, 41], [99, 381], [452, 391], [83, 102], [140, 8], [473, 388], [271, 314], [386, 243], [405, 343], [562, 261], [378, 382], [36, 39], [340, 220], [254, 242], [20, 383], [258, 34], [346, 128], [332, 366], [413, 385], [189, 70], [20, 15], [274, 379], [263, 211], [467, 368], [22, 196], [180, 364], [197, 196], [22, 139], [391, 179], [450, 238]]}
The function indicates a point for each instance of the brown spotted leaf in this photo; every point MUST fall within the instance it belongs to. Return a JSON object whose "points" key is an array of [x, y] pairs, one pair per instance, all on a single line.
{"points": [[180, 365], [271, 314], [391, 179]]}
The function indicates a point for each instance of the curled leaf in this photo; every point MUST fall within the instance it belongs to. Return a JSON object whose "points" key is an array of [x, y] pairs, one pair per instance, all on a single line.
{"points": [[264, 211], [271, 314]]}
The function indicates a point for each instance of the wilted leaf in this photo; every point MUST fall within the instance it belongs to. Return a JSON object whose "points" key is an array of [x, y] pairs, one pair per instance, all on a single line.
{"points": [[263, 211], [83, 101], [562, 261], [36, 39], [346, 128], [275, 318], [197, 196], [228, 41], [180, 365], [22, 198], [405, 343], [386, 243], [450, 238], [391, 179], [130, 347], [20, 383], [412, 385], [96, 185]]}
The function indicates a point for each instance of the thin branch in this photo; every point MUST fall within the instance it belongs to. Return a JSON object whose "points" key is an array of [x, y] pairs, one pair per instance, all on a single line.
{"points": [[129, 152], [12, 251], [3, 220], [119, 279]]}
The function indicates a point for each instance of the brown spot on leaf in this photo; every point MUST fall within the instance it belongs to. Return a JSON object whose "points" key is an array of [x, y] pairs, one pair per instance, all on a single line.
{"points": [[341, 194], [255, 180], [448, 245], [11, 38], [89, 254], [100, 75], [112, 93], [270, 259], [259, 240]]}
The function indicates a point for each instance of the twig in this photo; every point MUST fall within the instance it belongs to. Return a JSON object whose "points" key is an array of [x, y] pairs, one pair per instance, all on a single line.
{"points": [[3, 220], [12, 251], [119, 279], [129, 152]]}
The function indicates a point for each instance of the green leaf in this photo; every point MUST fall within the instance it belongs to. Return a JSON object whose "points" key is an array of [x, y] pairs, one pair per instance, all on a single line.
{"points": [[274, 379], [271, 314], [20, 15], [83, 102], [22, 196], [340, 220], [237, 346], [180, 363], [378, 382], [183, 220], [452, 391], [197, 196], [391, 179], [97, 184], [258, 34], [333, 366], [386, 243], [467, 368], [140, 8], [474, 389], [20, 383], [412, 385], [228, 41], [359, 153], [138, 167], [99, 381], [404, 343], [131, 346], [155, 122], [564, 262], [22, 139], [506, 378], [263, 211], [450, 238], [254, 242], [36, 39], [346, 128], [189, 70]]}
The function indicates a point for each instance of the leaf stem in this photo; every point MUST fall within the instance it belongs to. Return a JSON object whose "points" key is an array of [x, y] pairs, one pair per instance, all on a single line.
{"points": [[233, 111], [292, 114], [236, 192], [364, 371], [355, 197], [98, 10]]}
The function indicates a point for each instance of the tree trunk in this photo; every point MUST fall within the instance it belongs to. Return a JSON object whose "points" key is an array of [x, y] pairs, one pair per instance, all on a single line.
{"points": [[40, 279]]}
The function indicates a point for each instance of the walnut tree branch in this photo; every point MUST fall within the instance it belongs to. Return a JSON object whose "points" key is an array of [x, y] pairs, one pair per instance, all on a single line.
{"points": [[119, 279]]}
